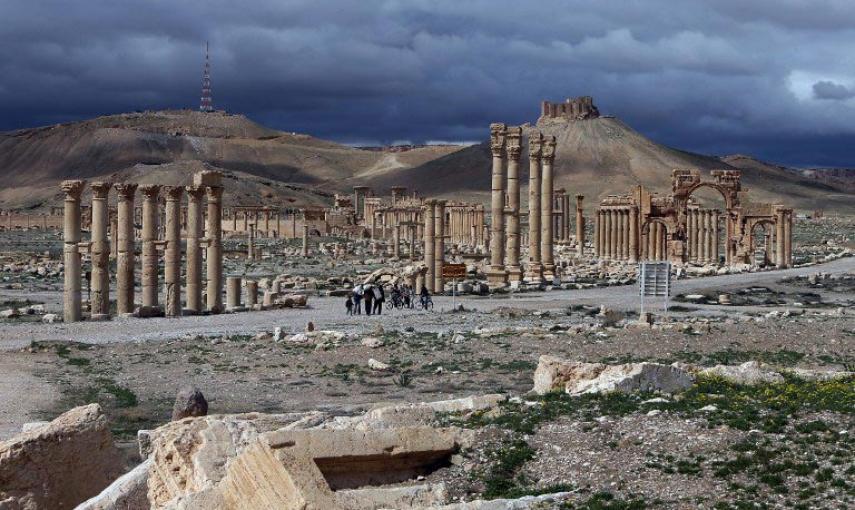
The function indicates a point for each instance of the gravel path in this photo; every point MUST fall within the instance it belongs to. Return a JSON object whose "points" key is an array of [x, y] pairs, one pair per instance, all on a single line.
{"points": [[328, 313], [17, 380]]}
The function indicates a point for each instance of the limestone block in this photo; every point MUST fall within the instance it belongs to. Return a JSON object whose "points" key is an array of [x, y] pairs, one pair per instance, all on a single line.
{"points": [[578, 378], [61, 464]]}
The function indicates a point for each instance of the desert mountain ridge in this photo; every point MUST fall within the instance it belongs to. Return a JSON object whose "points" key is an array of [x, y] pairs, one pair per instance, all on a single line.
{"points": [[596, 155]]}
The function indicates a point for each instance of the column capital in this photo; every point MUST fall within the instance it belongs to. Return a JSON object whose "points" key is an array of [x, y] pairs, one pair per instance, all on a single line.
{"points": [[72, 188], [535, 141], [126, 190], [548, 151], [150, 190], [513, 140], [497, 139], [100, 189], [173, 193], [216, 193], [196, 192]]}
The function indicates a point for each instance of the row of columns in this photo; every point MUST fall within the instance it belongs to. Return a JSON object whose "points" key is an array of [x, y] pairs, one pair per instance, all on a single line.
{"points": [[99, 247], [617, 232], [702, 235]]}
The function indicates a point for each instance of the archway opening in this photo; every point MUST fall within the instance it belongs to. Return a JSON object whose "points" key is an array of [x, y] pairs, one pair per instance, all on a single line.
{"points": [[763, 244]]}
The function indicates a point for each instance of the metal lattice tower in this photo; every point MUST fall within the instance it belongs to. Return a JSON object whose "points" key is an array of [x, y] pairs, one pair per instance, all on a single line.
{"points": [[206, 105]]}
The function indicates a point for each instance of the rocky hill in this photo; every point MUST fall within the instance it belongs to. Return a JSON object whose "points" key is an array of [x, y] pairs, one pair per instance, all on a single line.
{"points": [[596, 155], [601, 155], [156, 145]]}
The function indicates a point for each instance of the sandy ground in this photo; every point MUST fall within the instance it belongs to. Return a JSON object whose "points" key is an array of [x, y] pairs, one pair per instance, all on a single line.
{"points": [[154, 356], [17, 380]]}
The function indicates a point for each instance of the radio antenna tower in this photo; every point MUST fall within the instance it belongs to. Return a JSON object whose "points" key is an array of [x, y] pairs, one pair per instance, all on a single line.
{"points": [[206, 104]]}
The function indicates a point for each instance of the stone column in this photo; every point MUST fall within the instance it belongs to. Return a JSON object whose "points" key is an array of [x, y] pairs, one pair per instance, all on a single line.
{"points": [[598, 234], [233, 284], [439, 244], [580, 225], [623, 234], [429, 233], [172, 253], [412, 232], [214, 235], [657, 241], [114, 236], [496, 276], [715, 232], [396, 240], [513, 150], [780, 239], [72, 298], [304, 251], [99, 305], [691, 227], [251, 293], [546, 190], [195, 195], [614, 231], [125, 249], [633, 234], [699, 236], [149, 245], [535, 268]]}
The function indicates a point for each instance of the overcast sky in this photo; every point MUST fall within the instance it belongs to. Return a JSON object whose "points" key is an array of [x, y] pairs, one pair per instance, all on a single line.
{"points": [[773, 78]]}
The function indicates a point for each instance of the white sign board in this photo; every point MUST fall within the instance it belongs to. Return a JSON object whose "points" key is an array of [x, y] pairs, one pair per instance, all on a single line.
{"points": [[654, 279]]}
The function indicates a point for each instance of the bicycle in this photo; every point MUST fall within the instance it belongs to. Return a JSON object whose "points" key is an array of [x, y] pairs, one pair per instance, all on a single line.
{"points": [[426, 303]]}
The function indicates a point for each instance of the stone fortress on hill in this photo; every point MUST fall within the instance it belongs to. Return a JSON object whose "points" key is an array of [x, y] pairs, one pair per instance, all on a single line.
{"points": [[577, 108]]}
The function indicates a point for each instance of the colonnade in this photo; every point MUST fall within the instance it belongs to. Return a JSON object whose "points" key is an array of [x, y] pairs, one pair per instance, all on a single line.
{"points": [[702, 235], [204, 183], [617, 232]]}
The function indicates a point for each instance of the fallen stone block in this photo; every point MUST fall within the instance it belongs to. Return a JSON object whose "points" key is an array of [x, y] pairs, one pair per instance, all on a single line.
{"points": [[61, 464]]}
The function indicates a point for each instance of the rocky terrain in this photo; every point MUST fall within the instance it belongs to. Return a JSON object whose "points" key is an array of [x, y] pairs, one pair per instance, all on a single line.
{"points": [[740, 396]]}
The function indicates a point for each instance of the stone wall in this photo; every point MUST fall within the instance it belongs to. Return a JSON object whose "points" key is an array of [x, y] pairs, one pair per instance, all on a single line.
{"points": [[577, 108]]}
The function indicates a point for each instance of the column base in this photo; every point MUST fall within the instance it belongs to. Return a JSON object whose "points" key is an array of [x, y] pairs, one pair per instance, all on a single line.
{"points": [[515, 274], [534, 274], [497, 278], [549, 273]]}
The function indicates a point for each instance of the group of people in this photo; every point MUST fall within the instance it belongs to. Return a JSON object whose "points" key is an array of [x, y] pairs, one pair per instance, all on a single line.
{"points": [[372, 297]]}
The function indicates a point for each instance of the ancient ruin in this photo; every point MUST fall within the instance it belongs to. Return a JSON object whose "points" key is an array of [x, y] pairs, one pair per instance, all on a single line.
{"points": [[645, 226], [124, 237], [578, 108]]}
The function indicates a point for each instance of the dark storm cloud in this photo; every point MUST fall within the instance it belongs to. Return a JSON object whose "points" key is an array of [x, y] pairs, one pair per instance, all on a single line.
{"points": [[716, 76], [830, 90]]}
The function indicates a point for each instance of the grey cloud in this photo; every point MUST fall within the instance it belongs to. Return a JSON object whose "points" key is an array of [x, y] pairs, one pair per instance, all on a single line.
{"points": [[709, 76], [830, 90]]}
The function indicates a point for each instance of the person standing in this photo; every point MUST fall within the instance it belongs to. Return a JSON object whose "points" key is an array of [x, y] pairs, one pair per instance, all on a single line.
{"points": [[357, 300], [379, 297], [368, 297]]}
